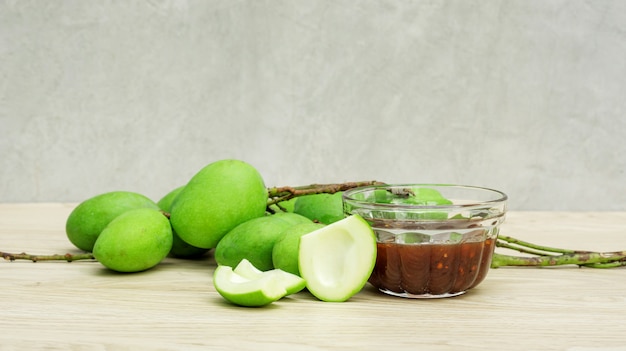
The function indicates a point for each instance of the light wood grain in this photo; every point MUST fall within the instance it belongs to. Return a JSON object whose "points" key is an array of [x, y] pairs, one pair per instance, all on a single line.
{"points": [[82, 306]]}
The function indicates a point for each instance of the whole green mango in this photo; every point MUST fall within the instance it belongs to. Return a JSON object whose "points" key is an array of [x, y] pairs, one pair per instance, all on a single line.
{"points": [[180, 249], [219, 197], [134, 241], [254, 240], [90, 217], [165, 203], [287, 246], [323, 208]]}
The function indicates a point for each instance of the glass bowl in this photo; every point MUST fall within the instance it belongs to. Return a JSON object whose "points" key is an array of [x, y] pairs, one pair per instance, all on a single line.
{"points": [[434, 240]]}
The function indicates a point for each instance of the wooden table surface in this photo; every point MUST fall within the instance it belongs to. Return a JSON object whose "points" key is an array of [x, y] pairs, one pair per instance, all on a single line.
{"points": [[83, 306]]}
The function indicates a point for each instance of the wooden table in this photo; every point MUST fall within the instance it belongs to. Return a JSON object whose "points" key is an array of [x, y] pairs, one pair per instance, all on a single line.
{"points": [[83, 306]]}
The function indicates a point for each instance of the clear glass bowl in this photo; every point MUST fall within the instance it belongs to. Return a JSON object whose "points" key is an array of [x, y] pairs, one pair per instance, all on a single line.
{"points": [[434, 240]]}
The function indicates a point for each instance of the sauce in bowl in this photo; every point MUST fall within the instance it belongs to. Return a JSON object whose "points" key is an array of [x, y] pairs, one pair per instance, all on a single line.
{"points": [[430, 251]]}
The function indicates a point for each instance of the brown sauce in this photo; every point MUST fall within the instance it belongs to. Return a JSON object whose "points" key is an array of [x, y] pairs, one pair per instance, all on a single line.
{"points": [[433, 269]]}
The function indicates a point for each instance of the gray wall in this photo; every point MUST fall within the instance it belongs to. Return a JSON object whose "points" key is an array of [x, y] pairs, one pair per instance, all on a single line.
{"points": [[524, 96]]}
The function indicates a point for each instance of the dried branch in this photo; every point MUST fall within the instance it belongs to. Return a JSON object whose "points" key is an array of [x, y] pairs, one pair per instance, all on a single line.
{"points": [[278, 194], [36, 258], [551, 256]]}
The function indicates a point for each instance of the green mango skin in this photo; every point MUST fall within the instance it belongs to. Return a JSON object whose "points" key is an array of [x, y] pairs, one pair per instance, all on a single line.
{"points": [[90, 217], [284, 206], [180, 248], [286, 248], [165, 203], [219, 197], [292, 218], [134, 241], [252, 240], [323, 208], [427, 197]]}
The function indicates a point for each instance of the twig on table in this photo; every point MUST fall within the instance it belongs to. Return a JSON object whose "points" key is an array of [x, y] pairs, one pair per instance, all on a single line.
{"points": [[35, 258]]}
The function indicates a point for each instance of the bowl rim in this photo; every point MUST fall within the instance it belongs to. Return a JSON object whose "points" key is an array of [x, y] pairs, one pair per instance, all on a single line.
{"points": [[347, 196]]}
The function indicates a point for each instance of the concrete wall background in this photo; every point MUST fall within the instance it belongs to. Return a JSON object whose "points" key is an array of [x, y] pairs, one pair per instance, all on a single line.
{"points": [[524, 96]]}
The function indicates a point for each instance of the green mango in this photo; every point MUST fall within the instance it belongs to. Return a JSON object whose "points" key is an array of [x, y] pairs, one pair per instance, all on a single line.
{"points": [[292, 218], [90, 217], [219, 197], [286, 248], [134, 241], [252, 240], [165, 203], [180, 248], [323, 208]]}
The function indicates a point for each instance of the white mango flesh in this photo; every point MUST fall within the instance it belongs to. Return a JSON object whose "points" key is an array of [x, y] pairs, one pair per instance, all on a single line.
{"points": [[337, 260]]}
